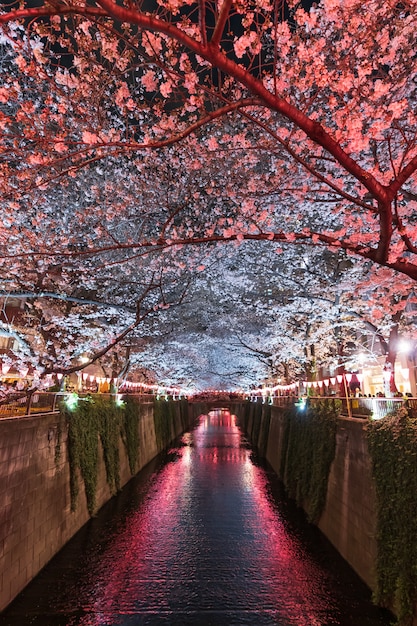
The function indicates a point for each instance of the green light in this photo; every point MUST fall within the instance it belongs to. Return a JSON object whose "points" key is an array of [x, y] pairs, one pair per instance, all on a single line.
{"points": [[119, 400], [71, 401]]}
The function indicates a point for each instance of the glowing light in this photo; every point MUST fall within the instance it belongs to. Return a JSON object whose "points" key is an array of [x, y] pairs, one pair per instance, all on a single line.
{"points": [[301, 403], [119, 400], [339, 378], [5, 368], [404, 346], [348, 377], [71, 401]]}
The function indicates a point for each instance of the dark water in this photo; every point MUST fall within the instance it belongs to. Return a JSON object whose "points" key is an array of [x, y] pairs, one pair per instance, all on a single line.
{"points": [[203, 536]]}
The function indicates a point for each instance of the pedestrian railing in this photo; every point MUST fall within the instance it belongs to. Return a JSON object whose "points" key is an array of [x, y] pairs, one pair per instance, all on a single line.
{"points": [[361, 407], [23, 404]]}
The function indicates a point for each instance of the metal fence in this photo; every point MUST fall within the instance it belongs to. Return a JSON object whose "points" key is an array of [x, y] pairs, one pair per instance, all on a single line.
{"points": [[362, 407], [24, 404]]}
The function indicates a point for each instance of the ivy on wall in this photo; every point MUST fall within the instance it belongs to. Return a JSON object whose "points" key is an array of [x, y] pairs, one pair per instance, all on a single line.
{"points": [[130, 432], [164, 414], [90, 421], [392, 443], [308, 449], [58, 443], [184, 413], [83, 451], [257, 409], [109, 430], [264, 430]]}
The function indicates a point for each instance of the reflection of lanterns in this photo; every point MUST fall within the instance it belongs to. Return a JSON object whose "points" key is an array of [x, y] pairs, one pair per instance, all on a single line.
{"points": [[5, 368]]}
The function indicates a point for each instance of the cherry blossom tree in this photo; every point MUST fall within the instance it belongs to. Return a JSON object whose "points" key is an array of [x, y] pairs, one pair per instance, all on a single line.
{"points": [[329, 109], [127, 130]]}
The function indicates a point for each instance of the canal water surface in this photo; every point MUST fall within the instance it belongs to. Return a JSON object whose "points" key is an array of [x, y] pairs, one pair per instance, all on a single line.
{"points": [[203, 536]]}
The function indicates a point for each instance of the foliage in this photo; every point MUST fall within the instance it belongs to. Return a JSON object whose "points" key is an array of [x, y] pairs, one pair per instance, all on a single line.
{"points": [[257, 410], [83, 431], [262, 441], [90, 421], [109, 429], [164, 414], [184, 416], [58, 444], [393, 447], [309, 445], [130, 432]]}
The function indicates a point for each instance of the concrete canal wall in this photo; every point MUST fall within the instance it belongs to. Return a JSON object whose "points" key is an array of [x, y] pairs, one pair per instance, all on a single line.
{"points": [[349, 518], [36, 517]]}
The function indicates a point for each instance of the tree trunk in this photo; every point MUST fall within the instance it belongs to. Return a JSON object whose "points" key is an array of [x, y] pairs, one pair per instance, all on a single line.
{"points": [[389, 381]]}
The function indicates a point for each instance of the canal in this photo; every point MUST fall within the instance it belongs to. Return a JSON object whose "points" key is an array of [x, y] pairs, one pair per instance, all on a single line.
{"points": [[203, 536]]}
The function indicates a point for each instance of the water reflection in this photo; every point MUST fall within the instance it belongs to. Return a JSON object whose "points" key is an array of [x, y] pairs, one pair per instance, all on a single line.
{"points": [[201, 541]]}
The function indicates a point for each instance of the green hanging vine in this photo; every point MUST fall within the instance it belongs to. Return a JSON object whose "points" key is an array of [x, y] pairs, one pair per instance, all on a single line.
{"points": [[264, 430], [109, 425], [392, 444], [83, 451], [256, 421], [164, 413], [185, 420], [93, 420], [309, 446], [130, 432], [58, 445]]}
